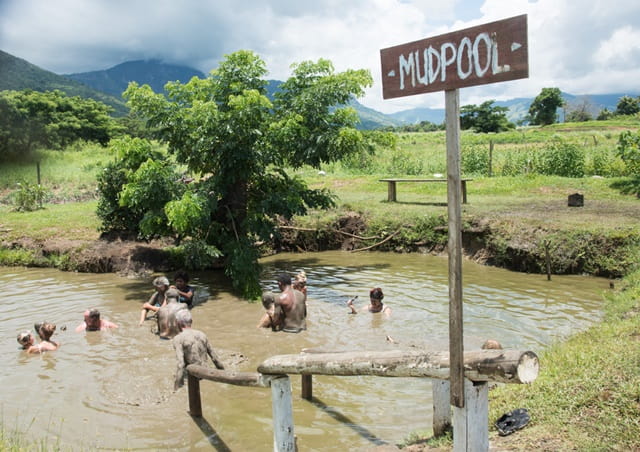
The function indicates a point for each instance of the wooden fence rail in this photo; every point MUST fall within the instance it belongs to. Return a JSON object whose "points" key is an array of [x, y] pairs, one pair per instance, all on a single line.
{"points": [[470, 423]]}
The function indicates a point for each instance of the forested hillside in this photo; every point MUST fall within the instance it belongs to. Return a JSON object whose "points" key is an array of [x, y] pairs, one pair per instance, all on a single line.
{"points": [[18, 74]]}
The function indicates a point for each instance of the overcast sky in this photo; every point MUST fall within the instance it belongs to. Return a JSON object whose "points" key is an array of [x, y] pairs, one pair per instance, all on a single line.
{"points": [[579, 46]]}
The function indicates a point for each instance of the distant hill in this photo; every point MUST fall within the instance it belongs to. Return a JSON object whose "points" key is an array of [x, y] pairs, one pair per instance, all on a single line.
{"points": [[107, 86], [150, 72], [18, 74]]}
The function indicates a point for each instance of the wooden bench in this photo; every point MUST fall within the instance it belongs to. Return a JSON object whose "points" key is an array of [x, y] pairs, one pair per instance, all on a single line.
{"points": [[392, 186]]}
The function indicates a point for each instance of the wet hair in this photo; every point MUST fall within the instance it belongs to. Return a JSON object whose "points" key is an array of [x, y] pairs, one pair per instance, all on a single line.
{"points": [[181, 274], [284, 278], [300, 280], [376, 294], [491, 344], [173, 294], [161, 281], [268, 298], [24, 337], [94, 313], [184, 318], [46, 330]]}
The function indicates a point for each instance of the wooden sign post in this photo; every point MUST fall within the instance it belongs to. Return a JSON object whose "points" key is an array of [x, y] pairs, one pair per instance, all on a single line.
{"points": [[489, 53]]}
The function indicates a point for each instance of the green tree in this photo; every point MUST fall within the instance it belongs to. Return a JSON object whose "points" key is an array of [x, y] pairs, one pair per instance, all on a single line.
{"points": [[32, 119], [628, 105], [544, 106], [485, 118], [604, 115], [237, 144]]}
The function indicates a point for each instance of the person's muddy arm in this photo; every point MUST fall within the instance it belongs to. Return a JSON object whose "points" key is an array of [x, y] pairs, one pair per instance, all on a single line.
{"points": [[214, 357], [180, 364]]}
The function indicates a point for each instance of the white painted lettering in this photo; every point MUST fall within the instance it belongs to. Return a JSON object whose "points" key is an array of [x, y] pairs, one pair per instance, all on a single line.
{"points": [[480, 71], [465, 43], [447, 61], [433, 68], [407, 67]]}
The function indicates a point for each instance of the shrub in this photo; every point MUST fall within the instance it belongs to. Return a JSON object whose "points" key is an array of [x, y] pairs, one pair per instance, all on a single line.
{"points": [[29, 197], [560, 158]]}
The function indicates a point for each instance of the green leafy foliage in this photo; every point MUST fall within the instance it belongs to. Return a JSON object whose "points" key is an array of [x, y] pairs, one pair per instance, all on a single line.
{"points": [[543, 109], [236, 143], [31, 119], [485, 118], [29, 197], [561, 158], [628, 105], [134, 189], [475, 160], [629, 151]]}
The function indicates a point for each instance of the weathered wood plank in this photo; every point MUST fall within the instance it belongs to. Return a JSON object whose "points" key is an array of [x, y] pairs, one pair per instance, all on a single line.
{"points": [[282, 410], [507, 366], [254, 379], [456, 348], [471, 423]]}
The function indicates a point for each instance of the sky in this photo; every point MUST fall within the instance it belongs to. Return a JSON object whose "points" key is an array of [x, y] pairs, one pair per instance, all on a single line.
{"points": [[579, 46]]}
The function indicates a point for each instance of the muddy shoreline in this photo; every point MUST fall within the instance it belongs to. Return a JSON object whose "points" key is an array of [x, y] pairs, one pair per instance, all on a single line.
{"points": [[484, 241]]}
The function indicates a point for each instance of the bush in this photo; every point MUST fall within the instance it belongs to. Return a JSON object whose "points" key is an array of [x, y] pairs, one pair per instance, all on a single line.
{"points": [[29, 197], [560, 158], [475, 160]]}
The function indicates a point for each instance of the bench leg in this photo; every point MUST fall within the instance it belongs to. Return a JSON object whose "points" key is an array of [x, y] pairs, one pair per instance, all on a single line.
{"points": [[392, 192]]}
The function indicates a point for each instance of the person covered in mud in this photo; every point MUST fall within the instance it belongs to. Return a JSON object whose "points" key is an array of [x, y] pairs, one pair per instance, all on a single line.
{"points": [[45, 330], [167, 324], [375, 303], [191, 347], [27, 342], [93, 322], [292, 303], [273, 317], [158, 299], [491, 344], [185, 291], [300, 283]]}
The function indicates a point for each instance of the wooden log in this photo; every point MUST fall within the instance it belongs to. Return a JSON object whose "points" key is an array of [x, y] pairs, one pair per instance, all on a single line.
{"points": [[282, 409], [195, 405], [471, 422], [229, 377], [506, 366]]}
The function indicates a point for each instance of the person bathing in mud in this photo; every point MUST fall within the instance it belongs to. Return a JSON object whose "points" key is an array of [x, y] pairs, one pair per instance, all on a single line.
{"points": [[300, 283], [28, 342], [45, 331], [375, 303], [273, 317], [157, 300], [191, 347], [185, 291], [292, 303], [93, 322]]}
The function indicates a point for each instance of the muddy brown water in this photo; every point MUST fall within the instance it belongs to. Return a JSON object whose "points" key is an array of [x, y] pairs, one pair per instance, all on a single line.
{"points": [[113, 390]]}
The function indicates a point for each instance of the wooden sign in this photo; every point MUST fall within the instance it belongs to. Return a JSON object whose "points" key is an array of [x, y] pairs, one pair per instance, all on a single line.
{"points": [[489, 53]]}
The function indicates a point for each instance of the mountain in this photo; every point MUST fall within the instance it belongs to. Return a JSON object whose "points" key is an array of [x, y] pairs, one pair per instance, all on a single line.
{"points": [[18, 74], [150, 72]]}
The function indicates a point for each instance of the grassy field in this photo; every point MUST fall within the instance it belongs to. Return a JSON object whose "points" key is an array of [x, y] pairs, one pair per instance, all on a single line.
{"points": [[588, 394]]}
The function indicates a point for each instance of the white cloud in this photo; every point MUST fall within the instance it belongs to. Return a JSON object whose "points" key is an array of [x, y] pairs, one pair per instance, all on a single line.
{"points": [[590, 47]]}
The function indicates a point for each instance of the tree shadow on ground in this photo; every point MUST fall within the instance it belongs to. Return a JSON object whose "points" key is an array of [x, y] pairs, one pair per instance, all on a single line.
{"points": [[629, 186]]}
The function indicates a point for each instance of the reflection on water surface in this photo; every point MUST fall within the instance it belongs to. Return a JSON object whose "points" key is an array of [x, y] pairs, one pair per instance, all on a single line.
{"points": [[113, 389]]}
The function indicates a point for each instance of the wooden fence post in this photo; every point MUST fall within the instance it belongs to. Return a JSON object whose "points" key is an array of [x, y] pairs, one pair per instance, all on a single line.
{"points": [[471, 422], [195, 405], [282, 407], [441, 407], [307, 386]]}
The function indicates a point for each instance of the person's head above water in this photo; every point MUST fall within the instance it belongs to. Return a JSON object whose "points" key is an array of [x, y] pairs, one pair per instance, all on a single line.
{"points": [[161, 283], [268, 298], [45, 330], [92, 319], [25, 339], [284, 279], [184, 318], [376, 294]]}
